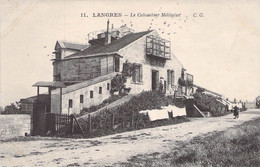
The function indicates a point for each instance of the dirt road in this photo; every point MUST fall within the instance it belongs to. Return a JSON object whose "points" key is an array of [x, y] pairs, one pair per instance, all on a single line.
{"points": [[111, 149]]}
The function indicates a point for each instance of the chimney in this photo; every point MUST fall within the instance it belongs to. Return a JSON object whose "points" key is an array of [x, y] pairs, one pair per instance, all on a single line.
{"points": [[107, 34]]}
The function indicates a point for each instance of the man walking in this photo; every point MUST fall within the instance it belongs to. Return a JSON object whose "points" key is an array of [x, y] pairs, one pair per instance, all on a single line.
{"points": [[236, 113]]}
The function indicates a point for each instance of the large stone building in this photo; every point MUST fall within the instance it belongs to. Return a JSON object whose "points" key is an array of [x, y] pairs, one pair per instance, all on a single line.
{"points": [[87, 70]]}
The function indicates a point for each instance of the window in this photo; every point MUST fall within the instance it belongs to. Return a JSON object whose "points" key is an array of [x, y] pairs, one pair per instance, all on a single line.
{"points": [[81, 98], [182, 73], [100, 90], [57, 77], [91, 94], [108, 86], [137, 73], [70, 103], [58, 55], [117, 63], [170, 78]]}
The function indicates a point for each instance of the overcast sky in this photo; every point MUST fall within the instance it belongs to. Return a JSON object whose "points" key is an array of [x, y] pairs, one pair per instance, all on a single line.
{"points": [[221, 49]]}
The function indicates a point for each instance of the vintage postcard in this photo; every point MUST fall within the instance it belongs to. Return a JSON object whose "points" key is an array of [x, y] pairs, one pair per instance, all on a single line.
{"points": [[130, 83]]}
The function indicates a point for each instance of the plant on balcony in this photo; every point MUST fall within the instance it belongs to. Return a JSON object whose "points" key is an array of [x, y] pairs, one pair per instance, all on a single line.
{"points": [[189, 82], [127, 68], [181, 81], [118, 83]]}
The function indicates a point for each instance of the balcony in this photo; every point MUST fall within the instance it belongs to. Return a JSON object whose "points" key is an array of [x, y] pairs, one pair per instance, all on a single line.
{"points": [[187, 80], [158, 47], [98, 37]]}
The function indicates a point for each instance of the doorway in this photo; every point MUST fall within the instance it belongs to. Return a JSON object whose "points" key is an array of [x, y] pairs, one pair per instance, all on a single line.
{"points": [[155, 80]]}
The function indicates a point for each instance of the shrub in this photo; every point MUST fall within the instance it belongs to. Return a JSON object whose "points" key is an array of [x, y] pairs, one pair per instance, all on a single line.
{"points": [[209, 103], [118, 82], [126, 117]]}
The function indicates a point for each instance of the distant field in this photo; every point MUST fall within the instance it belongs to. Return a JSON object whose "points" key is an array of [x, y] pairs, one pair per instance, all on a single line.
{"points": [[238, 146]]}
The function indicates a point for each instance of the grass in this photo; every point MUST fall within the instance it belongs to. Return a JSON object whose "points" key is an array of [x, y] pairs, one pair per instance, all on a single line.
{"points": [[126, 117], [238, 146]]}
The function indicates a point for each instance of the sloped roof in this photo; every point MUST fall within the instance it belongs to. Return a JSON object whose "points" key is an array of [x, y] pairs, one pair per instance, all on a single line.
{"points": [[71, 45], [54, 84], [112, 47], [84, 84]]}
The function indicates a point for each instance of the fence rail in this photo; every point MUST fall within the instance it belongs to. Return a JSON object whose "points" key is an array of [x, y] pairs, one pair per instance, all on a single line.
{"points": [[61, 124]]}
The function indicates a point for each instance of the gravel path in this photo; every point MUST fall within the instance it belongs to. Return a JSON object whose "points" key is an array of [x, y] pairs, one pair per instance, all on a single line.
{"points": [[111, 149]]}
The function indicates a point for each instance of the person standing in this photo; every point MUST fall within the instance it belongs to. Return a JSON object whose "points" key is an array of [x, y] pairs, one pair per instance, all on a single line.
{"points": [[236, 113], [161, 84]]}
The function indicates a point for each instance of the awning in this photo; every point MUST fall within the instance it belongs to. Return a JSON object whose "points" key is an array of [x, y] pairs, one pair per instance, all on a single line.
{"points": [[55, 84]]}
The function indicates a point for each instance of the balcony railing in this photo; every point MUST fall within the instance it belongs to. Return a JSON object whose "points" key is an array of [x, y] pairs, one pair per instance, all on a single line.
{"points": [[158, 47]]}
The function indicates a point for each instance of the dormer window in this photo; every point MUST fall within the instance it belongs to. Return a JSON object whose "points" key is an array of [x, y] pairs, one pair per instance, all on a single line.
{"points": [[58, 55]]}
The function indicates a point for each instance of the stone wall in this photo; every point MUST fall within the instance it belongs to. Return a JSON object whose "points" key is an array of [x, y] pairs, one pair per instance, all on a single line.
{"points": [[14, 125], [76, 92]]}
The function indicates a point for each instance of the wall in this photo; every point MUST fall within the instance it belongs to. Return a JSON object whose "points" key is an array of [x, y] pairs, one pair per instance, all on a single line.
{"points": [[67, 52], [136, 53], [14, 125], [75, 96], [83, 69]]}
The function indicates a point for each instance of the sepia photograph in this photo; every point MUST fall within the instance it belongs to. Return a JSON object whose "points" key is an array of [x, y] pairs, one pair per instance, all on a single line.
{"points": [[130, 83]]}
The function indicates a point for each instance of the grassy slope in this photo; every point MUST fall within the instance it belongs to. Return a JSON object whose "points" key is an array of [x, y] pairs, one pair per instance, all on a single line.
{"points": [[238, 146]]}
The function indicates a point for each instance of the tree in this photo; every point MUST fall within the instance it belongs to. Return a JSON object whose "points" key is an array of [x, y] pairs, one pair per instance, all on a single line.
{"points": [[1, 109], [13, 108]]}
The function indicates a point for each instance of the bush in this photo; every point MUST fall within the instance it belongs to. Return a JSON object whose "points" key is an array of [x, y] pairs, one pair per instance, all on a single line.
{"points": [[206, 102], [126, 117], [118, 82]]}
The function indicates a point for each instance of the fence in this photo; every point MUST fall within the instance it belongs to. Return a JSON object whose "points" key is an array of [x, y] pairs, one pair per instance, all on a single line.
{"points": [[61, 124]]}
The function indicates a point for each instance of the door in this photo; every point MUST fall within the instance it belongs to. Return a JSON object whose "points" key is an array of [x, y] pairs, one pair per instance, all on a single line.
{"points": [[155, 80]]}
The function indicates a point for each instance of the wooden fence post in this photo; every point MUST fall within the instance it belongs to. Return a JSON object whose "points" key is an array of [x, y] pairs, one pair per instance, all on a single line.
{"points": [[71, 124], [132, 119], [113, 120], [89, 123]]}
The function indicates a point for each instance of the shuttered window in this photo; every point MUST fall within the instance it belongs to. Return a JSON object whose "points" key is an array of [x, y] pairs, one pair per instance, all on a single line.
{"points": [[81, 98], [91, 94], [137, 75], [70, 103], [170, 78]]}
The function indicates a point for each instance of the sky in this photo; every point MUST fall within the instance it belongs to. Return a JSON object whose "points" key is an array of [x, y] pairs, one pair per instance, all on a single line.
{"points": [[221, 48]]}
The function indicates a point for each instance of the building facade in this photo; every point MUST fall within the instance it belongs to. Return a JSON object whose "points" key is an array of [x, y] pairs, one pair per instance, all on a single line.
{"points": [[88, 72]]}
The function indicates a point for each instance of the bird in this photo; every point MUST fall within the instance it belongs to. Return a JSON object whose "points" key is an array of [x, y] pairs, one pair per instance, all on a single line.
{"points": [[168, 25], [168, 33], [164, 22], [45, 46]]}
